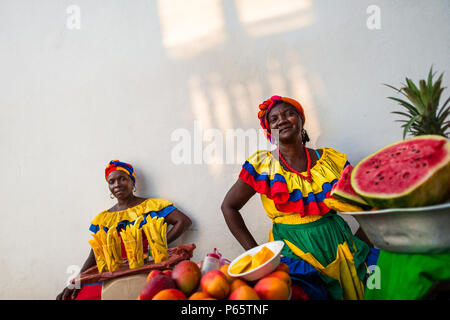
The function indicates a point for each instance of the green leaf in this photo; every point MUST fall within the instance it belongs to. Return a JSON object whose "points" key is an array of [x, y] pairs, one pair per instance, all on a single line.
{"points": [[398, 90], [408, 125], [402, 114], [430, 77], [443, 116], [414, 97], [424, 92], [405, 104]]}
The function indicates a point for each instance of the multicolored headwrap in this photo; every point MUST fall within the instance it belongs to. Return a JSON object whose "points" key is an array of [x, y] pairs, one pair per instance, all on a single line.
{"points": [[117, 165], [264, 109]]}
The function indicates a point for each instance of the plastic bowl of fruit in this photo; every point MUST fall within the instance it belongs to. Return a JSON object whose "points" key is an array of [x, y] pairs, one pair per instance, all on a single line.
{"points": [[407, 230], [257, 262]]}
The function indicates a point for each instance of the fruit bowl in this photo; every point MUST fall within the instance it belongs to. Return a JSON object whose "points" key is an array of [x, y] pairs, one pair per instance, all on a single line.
{"points": [[264, 269], [408, 230]]}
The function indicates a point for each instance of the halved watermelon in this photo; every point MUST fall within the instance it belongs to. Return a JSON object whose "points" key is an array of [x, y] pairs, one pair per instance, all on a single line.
{"points": [[343, 189], [409, 173]]}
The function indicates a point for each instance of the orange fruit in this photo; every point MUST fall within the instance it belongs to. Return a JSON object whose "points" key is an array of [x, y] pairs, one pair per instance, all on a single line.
{"points": [[244, 293], [238, 283], [224, 269], [281, 275], [169, 294], [272, 288], [200, 295], [282, 267]]}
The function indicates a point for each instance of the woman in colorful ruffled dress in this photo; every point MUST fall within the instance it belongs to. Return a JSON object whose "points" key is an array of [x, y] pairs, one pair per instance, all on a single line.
{"points": [[121, 180], [323, 255]]}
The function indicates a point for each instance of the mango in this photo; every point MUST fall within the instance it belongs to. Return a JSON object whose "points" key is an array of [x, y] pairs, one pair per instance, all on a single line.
{"points": [[244, 293], [155, 285], [215, 284], [272, 288], [261, 257], [169, 294], [186, 275], [241, 264]]}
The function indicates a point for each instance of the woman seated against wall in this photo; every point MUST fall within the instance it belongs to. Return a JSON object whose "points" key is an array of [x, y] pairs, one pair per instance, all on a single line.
{"points": [[121, 180]]}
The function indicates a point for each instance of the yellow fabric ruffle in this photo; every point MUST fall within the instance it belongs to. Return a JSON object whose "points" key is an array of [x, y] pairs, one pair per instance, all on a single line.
{"points": [[327, 169], [342, 269], [112, 219]]}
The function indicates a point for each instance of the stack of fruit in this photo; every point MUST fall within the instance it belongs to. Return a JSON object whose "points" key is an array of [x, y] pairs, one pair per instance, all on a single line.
{"points": [[409, 173], [185, 282]]}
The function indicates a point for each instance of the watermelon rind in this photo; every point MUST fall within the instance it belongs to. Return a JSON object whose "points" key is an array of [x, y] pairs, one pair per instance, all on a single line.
{"points": [[341, 194], [433, 188], [352, 200]]}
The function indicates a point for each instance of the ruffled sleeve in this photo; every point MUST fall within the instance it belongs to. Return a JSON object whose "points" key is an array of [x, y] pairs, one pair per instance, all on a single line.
{"points": [[120, 219], [261, 172], [289, 192]]}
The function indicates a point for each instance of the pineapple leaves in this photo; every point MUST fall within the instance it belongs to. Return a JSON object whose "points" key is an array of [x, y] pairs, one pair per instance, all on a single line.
{"points": [[405, 104], [423, 114], [407, 126]]}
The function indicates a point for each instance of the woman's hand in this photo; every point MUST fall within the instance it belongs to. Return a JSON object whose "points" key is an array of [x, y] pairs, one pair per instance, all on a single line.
{"points": [[71, 294], [68, 294], [235, 199]]}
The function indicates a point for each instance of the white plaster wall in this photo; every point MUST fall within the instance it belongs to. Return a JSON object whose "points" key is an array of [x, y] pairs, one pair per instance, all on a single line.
{"points": [[136, 71]]}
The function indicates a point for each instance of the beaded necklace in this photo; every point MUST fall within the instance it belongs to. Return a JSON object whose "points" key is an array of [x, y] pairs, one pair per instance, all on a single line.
{"points": [[308, 170]]}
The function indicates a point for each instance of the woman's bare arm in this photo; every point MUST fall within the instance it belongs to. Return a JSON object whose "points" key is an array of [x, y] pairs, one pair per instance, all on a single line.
{"points": [[180, 223], [72, 293], [238, 195]]}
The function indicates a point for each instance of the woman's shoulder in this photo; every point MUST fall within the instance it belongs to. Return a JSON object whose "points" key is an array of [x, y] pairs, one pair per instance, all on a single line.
{"points": [[261, 161], [108, 217], [331, 152], [260, 157], [332, 157], [156, 204]]}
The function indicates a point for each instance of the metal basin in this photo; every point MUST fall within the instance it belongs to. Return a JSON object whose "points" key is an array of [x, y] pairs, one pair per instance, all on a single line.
{"points": [[408, 230]]}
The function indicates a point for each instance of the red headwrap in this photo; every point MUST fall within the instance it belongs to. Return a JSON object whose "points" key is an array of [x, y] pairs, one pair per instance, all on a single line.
{"points": [[264, 109]]}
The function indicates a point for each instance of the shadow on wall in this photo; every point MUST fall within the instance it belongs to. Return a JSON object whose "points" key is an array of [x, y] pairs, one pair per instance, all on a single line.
{"points": [[217, 41]]}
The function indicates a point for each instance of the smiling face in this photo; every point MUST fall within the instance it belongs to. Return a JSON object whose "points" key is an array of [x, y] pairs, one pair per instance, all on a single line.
{"points": [[287, 120], [120, 184]]}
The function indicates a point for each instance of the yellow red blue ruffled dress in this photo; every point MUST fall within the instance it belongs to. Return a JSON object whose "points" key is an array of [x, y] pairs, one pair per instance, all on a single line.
{"points": [[320, 249], [149, 208]]}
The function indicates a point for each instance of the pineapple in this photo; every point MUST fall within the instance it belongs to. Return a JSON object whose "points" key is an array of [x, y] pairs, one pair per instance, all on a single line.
{"points": [[424, 115]]}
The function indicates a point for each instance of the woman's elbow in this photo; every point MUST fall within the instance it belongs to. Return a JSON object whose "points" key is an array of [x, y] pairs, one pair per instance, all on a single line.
{"points": [[184, 221], [225, 207], [187, 222]]}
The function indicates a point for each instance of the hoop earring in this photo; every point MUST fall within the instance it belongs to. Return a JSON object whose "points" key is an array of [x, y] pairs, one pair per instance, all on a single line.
{"points": [[134, 190], [111, 196]]}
